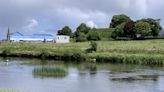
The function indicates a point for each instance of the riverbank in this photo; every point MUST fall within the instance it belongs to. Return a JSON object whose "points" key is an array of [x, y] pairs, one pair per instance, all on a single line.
{"points": [[149, 52]]}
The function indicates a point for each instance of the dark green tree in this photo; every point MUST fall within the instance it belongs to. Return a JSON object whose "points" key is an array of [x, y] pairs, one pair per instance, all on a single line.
{"points": [[118, 31], [119, 19], [65, 31], [83, 28], [154, 24], [81, 31]]}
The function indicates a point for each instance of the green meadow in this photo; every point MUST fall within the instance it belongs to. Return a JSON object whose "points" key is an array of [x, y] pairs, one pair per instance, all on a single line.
{"points": [[135, 52]]}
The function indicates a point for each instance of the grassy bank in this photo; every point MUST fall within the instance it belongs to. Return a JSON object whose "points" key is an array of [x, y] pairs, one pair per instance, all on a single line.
{"points": [[135, 52]]}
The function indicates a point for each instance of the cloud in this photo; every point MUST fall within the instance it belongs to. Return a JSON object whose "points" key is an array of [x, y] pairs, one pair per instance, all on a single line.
{"points": [[42, 16], [91, 24], [31, 24]]}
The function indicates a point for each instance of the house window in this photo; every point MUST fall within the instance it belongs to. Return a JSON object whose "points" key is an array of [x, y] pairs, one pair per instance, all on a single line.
{"points": [[65, 37]]}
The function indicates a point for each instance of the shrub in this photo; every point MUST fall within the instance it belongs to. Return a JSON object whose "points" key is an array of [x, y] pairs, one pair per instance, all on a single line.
{"points": [[6, 51], [93, 47], [44, 54]]}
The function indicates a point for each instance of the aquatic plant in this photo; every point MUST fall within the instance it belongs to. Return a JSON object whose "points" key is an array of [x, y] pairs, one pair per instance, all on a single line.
{"points": [[50, 71]]}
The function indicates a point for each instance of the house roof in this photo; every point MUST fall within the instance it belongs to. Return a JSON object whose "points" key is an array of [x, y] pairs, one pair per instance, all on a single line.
{"points": [[33, 36], [16, 34]]}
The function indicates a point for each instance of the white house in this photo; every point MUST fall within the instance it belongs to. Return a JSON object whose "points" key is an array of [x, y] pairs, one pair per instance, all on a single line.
{"points": [[62, 39]]}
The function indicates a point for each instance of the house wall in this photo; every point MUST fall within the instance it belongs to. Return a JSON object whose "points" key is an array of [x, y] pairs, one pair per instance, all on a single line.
{"points": [[62, 39], [17, 37], [30, 40]]}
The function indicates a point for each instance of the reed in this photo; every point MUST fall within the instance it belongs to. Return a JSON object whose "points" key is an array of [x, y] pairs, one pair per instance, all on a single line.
{"points": [[50, 71]]}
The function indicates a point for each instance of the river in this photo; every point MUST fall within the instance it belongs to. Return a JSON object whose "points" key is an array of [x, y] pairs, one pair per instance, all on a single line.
{"points": [[17, 74]]}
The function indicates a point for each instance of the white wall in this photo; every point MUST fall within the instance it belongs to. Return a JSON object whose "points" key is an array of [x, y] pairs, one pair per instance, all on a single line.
{"points": [[62, 39], [29, 39]]}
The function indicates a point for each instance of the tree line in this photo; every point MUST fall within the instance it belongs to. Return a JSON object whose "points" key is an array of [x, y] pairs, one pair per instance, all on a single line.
{"points": [[122, 25], [82, 33]]}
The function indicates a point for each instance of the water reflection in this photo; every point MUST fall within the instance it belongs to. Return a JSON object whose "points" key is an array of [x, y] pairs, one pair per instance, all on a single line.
{"points": [[90, 68], [82, 77]]}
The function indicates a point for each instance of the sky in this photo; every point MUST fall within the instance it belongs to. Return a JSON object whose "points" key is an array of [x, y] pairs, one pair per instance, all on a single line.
{"points": [[48, 16]]}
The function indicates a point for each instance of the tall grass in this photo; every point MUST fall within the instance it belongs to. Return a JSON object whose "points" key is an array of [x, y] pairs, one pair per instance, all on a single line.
{"points": [[136, 52], [8, 90], [50, 71]]}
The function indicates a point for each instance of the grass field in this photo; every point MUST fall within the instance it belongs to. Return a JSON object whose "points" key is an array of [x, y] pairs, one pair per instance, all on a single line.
{"points": [[105, 33], [139, 51]]}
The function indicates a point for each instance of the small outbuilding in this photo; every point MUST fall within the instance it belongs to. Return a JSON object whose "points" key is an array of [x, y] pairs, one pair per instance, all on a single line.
{"points": [[62, 39]]}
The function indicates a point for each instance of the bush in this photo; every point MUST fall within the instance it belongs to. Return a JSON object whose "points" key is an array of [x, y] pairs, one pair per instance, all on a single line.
{"points": [[44, 54], [93, 47], [6, 51]]}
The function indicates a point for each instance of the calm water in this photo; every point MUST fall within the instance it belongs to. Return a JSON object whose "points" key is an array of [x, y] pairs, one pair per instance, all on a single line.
{"points": [[84, 77]]}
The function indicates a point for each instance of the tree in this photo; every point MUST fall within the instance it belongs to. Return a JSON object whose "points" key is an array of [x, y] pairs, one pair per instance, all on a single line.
{"points": [[119, 19], [154, 24], [81, 37], [93, 35], [65, 31], [118, 31], [81, 31], [129, 29], [83, 28], [142, 29]]}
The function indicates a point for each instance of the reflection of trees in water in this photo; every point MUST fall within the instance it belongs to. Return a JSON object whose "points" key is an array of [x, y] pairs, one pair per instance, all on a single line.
{"points": [[90, 68]]}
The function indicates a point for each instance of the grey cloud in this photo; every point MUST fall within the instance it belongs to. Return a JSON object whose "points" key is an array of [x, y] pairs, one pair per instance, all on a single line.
{"points": [[58, 13]]}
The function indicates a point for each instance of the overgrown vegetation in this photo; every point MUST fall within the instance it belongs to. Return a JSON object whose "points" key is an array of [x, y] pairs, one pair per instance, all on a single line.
{"points": [[93, 47], [50, 71], [137, 52]]}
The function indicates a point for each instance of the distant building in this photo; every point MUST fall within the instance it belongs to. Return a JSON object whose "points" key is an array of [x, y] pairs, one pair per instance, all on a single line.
{"points": [[8, 35], [18, 37], [62, 39]]}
